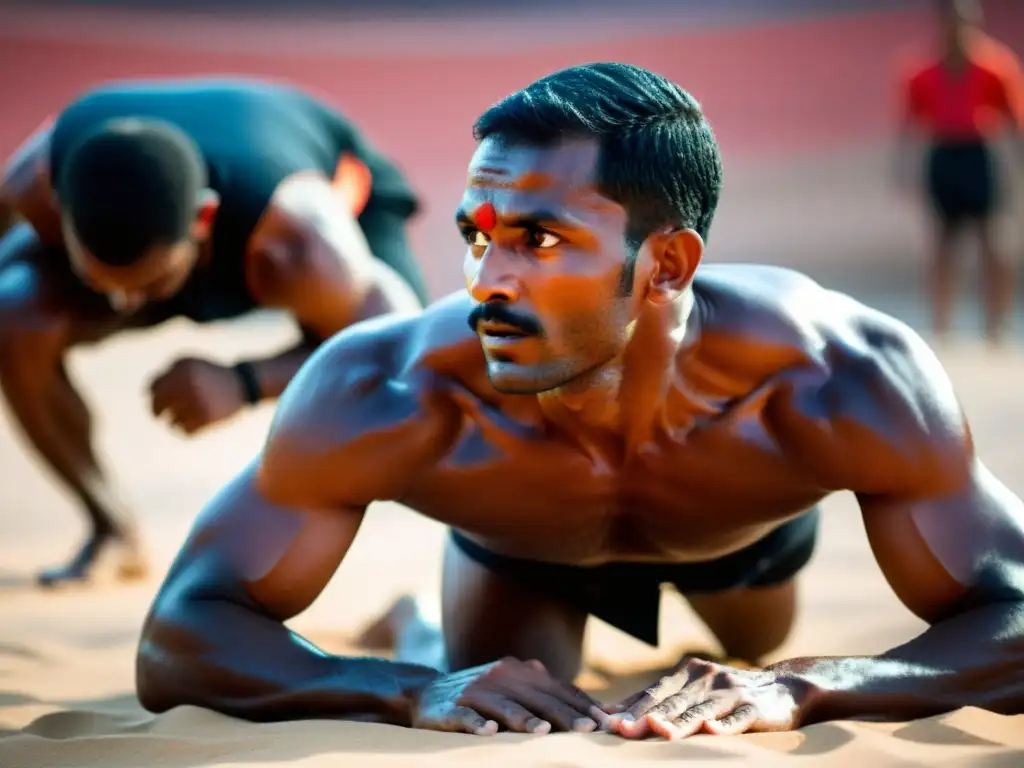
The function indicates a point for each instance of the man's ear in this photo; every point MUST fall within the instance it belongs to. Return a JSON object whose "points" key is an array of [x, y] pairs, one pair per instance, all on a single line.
{"points": [[675, 255], [206, 214]]}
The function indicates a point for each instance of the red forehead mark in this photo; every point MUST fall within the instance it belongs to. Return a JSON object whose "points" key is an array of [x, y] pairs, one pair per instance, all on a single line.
{"points": [[486, 218]]}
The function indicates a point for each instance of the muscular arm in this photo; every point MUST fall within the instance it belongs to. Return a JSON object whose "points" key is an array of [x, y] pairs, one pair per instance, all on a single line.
{"points": [[948, 536], [216, 638], [267, 545], [310, 258]]}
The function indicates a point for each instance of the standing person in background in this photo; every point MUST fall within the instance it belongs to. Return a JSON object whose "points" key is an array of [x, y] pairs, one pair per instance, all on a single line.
{"points": [[958, 101]]}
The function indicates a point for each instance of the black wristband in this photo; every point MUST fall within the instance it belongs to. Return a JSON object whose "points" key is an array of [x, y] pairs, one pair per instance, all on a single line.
{"points": [[246, 373]]}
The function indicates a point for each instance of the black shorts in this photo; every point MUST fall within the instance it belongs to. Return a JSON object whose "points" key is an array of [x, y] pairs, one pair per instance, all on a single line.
{"points": [[961, 180], [628, 595]]}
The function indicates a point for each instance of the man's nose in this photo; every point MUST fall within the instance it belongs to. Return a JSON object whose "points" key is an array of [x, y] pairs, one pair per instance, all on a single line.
{"points": [[495, 277]]}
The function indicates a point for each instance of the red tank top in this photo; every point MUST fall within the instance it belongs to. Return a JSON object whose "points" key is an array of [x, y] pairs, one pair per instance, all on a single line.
{"points": [[970, 104]]}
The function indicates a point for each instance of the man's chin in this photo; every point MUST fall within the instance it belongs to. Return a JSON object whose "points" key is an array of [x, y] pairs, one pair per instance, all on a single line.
{"points": [[127, 312], [512, 379]]}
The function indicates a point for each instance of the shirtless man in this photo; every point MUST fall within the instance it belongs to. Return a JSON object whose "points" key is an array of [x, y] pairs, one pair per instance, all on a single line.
{"points": [[610, 418], [202, 199]]}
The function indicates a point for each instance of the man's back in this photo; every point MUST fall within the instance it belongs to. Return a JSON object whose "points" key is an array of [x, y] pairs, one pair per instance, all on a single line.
{"points": [[252, 133], [252, 136]]}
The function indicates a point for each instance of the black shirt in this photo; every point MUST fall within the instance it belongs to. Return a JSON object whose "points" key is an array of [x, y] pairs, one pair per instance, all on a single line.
{"points": [[253, 135]]}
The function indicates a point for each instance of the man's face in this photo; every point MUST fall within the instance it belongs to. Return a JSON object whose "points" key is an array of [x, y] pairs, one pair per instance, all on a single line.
{"points": [[159, 274], [553, 295]]}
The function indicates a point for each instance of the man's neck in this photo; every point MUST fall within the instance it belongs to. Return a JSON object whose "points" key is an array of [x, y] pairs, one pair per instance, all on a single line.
{"points": [[620, 402]]}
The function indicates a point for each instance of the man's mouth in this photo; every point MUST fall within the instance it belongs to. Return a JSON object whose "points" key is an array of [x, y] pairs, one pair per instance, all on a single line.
{"points": [[501, 331]]}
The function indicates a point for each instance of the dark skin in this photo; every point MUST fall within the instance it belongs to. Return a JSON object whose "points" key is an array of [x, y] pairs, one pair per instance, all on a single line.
{"points": [[307, 257], [675, 422], [959, 22]]}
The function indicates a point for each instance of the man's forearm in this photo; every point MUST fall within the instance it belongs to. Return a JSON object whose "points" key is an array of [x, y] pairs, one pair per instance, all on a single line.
{"points": [[974, 659], [230, 659]]}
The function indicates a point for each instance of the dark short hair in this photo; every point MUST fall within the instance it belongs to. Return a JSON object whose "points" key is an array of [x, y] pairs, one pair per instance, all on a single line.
{"points": [[658, 155], [131, 185]]}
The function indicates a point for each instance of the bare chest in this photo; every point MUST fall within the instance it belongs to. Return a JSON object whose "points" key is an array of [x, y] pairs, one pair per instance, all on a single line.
{"points": [[683, 497]]}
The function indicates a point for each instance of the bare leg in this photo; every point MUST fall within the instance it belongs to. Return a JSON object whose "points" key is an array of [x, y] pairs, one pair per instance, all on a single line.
{"points": [[942, 280], [34, 337], [748, 623], [485, 617], [57, 422], [997, 283]]}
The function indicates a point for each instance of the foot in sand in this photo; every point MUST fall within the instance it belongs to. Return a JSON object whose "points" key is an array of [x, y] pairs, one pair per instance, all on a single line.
{"points": [[129, 563], [411, 629]]}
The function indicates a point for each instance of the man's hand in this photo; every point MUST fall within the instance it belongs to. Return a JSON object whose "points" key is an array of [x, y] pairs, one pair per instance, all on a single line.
{"points": [[516, 695], [196, 393], [702, 695]]}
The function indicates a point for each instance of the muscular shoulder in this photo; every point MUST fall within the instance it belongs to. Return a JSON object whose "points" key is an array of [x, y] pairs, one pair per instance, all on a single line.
{"points": [[857, 395], [759, 320], [877, 414], [280, 262], [369, 410], [306, 241]]}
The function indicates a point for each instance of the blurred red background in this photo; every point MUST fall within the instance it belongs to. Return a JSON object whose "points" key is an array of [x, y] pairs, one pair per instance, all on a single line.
{"points": [[778, 89]]}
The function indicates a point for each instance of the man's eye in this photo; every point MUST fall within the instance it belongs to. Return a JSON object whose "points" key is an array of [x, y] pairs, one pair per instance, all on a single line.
{"points": [[544, 240]]}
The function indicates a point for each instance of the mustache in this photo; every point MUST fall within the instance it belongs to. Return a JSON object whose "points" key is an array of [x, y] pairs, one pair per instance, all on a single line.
{"points": [[497, 312]]}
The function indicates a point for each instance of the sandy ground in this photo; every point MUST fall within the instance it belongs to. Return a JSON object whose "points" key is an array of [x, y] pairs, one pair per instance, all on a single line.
{"points": [[66, 658]]}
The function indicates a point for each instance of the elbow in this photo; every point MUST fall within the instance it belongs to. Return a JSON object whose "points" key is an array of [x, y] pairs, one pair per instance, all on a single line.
{"points": [[168, 657], [154, 661], [151, 693]]}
